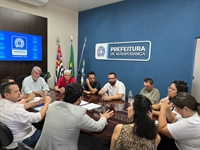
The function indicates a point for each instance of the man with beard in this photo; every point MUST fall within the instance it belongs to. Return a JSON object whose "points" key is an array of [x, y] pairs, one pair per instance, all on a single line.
{"points": [[114, 87], [34, 83], [91, 86]]}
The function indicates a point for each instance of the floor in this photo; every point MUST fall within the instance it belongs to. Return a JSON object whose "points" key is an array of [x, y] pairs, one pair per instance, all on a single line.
{"points": [[91, 143]]}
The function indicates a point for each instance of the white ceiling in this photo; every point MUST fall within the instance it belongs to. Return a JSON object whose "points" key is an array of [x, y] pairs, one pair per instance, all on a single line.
{"points": [[81, 5]]}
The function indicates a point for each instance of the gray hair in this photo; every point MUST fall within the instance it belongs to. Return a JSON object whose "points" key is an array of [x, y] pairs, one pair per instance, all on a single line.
{"points": [[36, 68], [67, 71]]}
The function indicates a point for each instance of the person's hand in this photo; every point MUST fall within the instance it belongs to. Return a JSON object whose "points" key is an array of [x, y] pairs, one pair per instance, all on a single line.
{"points": [[31, 96], [62, 90], [106, 97], [47, 99], [42, 100], [107, 114], [150, 114], [87, 92], [87, 81], [166, 105], [164, 100], [45, 93]]}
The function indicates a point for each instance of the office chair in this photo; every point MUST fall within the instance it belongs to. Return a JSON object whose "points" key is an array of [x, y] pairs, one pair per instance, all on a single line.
{"points": [[6, 138], [19, 80]]}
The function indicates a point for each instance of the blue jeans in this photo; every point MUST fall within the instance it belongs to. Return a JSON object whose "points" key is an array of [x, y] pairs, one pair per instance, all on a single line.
{"points": [[32, 141]]}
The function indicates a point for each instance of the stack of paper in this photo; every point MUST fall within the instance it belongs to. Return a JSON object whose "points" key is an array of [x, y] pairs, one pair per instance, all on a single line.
{"points": [[91, 106], [83, 102]]}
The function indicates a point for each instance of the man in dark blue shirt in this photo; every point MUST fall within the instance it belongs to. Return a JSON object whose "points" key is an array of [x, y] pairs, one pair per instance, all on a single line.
{"points": [[91, 86]]}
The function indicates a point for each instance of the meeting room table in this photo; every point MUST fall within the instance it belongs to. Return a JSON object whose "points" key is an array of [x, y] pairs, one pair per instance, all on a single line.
{"points": [[118, 106]]}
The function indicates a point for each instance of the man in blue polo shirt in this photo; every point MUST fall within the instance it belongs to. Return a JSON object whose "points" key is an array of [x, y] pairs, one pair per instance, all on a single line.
{"points": [[91, 86]]}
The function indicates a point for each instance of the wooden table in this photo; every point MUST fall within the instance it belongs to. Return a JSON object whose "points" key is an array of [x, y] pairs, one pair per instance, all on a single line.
{"points": [[120, 115], [119, 107]]}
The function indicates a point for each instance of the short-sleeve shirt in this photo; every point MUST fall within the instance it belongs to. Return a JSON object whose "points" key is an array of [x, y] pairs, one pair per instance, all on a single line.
{"points": [[153, 95], [116, 89], [62, 82], [95, 85], [190, 138]]}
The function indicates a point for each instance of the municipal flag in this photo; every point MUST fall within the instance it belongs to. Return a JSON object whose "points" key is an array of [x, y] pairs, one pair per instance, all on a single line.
{"points": [[59, 65]]}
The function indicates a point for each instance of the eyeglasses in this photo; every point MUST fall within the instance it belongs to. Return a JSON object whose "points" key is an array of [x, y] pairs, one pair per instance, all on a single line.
{"points": [[170, 88]]}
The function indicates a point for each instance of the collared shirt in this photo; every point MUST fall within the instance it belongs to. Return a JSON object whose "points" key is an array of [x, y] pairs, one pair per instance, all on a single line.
{"points": [[29, 85], [62, 82], [18, 121], [118, 88], [153, 95]]}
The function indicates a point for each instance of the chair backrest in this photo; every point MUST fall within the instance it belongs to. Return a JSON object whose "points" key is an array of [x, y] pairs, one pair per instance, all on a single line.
{"points": [[6, 136], [19, 80]]}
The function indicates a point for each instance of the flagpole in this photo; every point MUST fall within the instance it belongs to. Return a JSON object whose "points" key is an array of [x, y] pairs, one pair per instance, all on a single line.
{"points": [[83, 49], [58, 40]]}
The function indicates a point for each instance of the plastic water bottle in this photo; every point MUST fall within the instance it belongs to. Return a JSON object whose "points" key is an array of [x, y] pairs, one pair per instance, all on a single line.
{"points": [[103, 94], [130, 96]]}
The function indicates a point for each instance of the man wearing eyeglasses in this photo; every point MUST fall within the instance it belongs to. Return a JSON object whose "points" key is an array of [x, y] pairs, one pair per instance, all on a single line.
{"points": [[150, 92], [114, 89]]}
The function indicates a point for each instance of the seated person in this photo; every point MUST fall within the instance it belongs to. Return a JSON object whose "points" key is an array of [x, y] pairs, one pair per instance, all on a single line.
{"points": [[115, 88], [17, 118], [61, 128], [24, 99], [91, 86], [186, 127], [176, 87], [150, 92], [142, 133], [7, 79], [64, 81], [34, 83]]}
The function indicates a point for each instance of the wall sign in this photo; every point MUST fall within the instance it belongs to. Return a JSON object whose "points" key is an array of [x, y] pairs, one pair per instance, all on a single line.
{"points": [[125, 51]]}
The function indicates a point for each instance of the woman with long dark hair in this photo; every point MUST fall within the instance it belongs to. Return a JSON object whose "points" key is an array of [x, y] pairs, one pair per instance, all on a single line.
{"points": [[142, 133]]}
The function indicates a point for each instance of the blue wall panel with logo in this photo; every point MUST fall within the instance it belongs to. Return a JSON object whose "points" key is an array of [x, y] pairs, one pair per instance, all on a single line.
{"points": [[171, 26]]}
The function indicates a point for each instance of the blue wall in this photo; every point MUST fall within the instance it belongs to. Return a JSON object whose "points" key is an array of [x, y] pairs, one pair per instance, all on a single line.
{"points": [[171, 26]]}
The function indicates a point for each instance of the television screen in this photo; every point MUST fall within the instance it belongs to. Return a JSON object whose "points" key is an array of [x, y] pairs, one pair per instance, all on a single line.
{"points": [[20, 47]]}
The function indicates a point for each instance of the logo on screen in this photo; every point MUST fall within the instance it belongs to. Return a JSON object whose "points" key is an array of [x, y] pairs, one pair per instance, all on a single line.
{"points": [[19, 45], [101, 51]]}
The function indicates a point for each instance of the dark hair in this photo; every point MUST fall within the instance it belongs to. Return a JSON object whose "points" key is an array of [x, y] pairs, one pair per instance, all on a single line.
{"points": [[144, 126], [149, 80], [72, 92], [113, 74], [5, 88], [91, 73], [184, 99], [9, 77], [181, 86], [6, 79]]}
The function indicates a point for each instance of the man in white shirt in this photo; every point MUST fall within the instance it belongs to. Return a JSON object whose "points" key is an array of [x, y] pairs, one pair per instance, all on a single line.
{"points": [[114, 87], [34, 83], [17, 118]]}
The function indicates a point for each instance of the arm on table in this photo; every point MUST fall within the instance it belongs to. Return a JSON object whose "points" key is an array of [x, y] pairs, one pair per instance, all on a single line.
{"points": [[46, 105]]}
